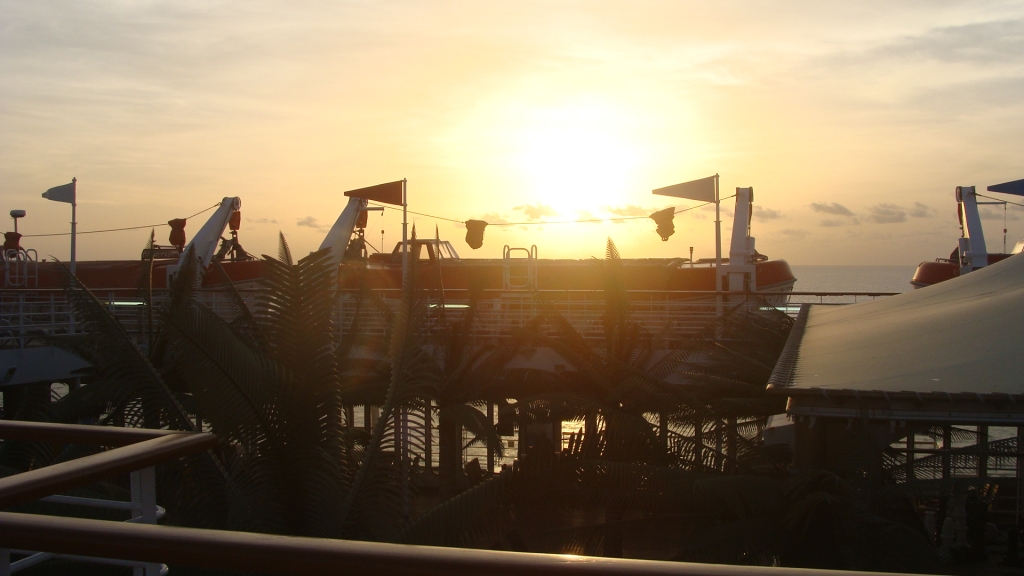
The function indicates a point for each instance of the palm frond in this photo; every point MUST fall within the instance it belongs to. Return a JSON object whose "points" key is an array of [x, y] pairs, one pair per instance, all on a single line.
{"points": [[284, 253]]}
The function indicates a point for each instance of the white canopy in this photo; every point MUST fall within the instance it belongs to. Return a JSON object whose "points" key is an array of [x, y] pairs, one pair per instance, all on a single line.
{"points": [[965, 335]]}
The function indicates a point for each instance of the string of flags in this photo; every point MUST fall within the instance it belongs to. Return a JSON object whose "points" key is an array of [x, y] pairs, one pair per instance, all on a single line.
{"points": [[475, 228], [663, 218], [702, 190]]}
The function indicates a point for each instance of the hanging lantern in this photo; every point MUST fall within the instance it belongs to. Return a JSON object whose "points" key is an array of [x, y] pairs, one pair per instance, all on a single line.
{"points": [[177, 236], [664, 219], [475, 233]]}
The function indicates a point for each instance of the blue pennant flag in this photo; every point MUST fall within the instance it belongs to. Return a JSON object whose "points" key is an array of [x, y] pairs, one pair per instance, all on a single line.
{"points": [[1016, 187]]}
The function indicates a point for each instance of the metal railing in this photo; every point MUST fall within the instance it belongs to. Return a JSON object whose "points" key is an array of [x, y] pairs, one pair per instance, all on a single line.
{"points": [[285, 555], [137, 452], [146, 546], [21, 269]]}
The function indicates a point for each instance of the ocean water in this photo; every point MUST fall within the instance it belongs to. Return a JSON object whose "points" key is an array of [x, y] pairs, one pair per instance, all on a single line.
{"points": [[853, 278]]}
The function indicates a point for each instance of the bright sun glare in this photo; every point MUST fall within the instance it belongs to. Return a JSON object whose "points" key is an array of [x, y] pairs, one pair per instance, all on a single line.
{"points": [[574, 164]]}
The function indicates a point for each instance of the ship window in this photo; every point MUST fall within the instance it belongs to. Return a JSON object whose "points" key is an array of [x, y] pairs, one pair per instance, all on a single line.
{"points": [[426, 253], [447, 251]]}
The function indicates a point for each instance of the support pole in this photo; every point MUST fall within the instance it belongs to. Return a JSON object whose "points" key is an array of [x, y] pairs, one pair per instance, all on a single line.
{"points": [[982, 451], [718, 250], [405, 235], [947, 447], [911, 453], [1020, 472], [74, 221], [490, 447], [143, 491]]}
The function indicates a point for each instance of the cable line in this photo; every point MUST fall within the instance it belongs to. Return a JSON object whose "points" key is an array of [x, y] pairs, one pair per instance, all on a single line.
{"points": [[999, 200], [581, 221], [117, 229]]}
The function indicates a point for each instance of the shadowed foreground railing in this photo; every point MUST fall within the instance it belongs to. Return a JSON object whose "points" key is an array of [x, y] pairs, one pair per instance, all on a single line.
{"points": [[260, 553]]}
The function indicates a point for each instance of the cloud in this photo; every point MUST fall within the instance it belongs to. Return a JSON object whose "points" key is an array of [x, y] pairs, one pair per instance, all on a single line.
{"points": [[766, 213], [921, 211], [630, 210], [832, 208], [794, 233], [261, 221], [309, 222], [493, 218], [536, 212], [887, 214], [835, 222], [992, 213], [977, 43]]}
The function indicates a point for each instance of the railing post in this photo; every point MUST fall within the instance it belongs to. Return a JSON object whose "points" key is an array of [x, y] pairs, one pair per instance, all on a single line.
{"points": [[5, 562], [144, 508], [21, 320]]}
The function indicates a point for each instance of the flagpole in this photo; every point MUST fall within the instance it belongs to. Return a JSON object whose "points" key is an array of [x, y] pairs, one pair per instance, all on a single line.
{"points": [[74, 222], [718, 249], [405, 236]]}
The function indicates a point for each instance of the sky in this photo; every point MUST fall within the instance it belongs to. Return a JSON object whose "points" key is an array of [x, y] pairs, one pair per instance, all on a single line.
{"points": [[853, 122]]}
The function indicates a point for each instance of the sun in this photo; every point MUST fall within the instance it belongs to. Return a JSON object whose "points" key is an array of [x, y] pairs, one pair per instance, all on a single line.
{"points": [[574, 164]]}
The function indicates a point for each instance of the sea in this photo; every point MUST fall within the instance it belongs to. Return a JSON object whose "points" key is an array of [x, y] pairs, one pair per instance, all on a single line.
{"points": [[890, 279]]}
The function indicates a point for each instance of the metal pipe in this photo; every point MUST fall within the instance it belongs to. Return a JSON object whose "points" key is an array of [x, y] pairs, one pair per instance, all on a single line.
{"points": [[286, 555]]}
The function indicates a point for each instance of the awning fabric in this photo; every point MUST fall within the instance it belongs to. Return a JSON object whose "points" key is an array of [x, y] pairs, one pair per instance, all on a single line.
{"points": [[962, 335]]}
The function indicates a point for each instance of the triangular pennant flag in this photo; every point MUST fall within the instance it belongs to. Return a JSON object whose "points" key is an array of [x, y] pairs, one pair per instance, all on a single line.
{"points": [[702, 190], [63, 193], [390, 193], [1016, 187]]}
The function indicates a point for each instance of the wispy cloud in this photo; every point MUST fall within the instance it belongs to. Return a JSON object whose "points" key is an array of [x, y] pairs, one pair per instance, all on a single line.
{"points": [[835, 222], [833, 208], [766, 213], [261, 220], [794, 233], [990, 213], [848, 218], [493, 218], [886, 214], [920, 210], [536, 211], [630, 210], [309, 222]]}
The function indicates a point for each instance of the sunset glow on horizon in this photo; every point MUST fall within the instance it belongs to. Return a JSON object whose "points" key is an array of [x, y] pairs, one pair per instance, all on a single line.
{"points": [[853, 123]]}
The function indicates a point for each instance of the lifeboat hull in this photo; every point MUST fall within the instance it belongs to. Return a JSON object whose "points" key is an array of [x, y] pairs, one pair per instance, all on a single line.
{"points": [[929, 273]]}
